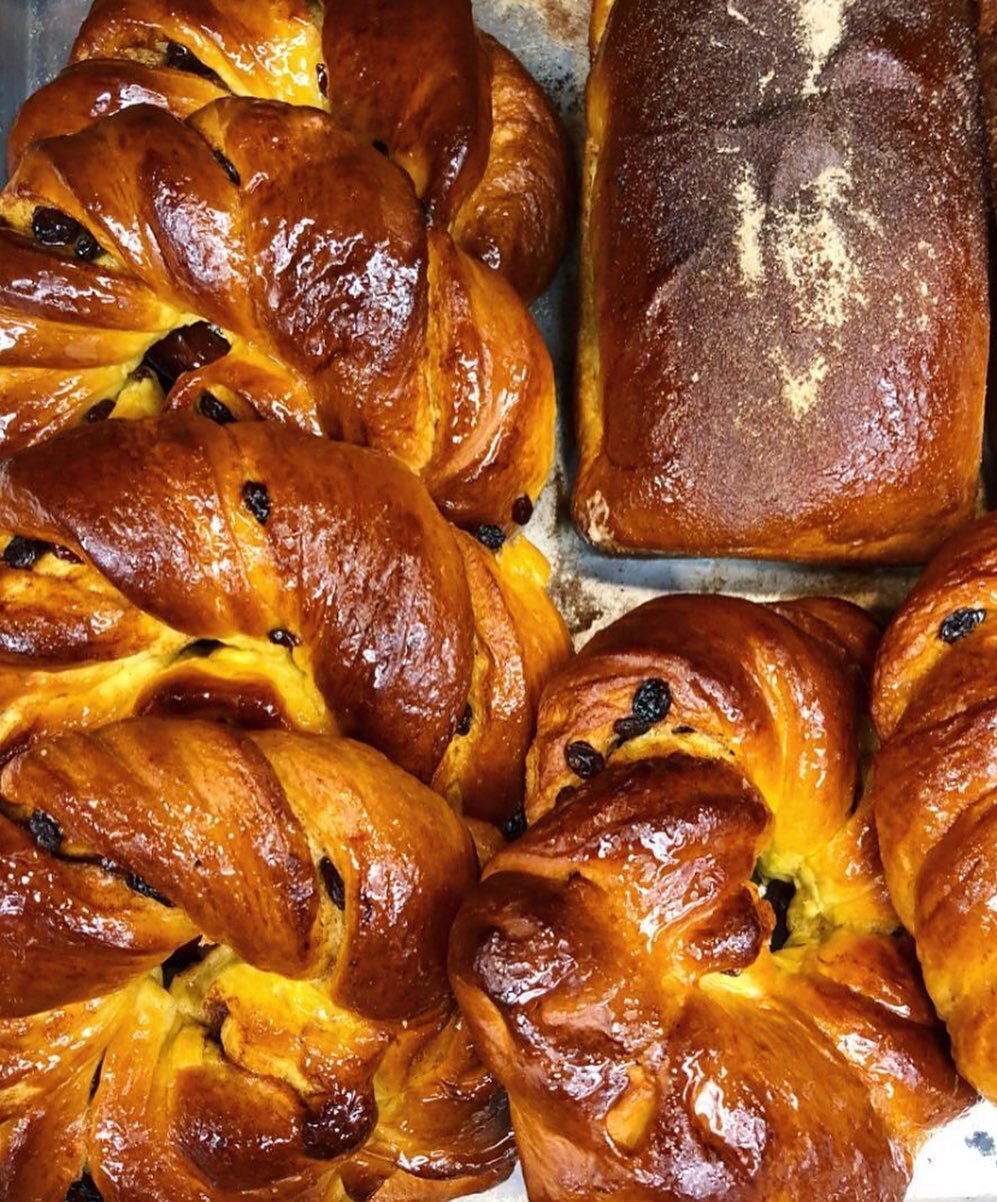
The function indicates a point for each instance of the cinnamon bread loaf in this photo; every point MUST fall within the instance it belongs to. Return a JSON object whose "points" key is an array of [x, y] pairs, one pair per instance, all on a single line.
{"points": [[785, 319]]}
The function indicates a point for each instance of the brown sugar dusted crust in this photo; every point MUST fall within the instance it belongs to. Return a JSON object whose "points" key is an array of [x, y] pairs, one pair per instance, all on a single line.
{"points": [[686, 972], [785, 322], [330, 216], [934, 781]]}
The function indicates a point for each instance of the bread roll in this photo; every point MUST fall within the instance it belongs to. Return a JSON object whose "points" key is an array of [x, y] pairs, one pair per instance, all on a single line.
{"points": [[686, 972]]}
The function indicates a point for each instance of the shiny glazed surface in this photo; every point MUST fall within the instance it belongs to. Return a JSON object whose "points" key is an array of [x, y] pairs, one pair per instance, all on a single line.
{"points": [[304, 1045], [261, 573], [935, 707], [363, 247], [785, 316], [616, 964]]}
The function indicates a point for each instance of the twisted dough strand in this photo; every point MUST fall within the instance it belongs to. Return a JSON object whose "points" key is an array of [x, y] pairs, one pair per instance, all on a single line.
{"points": [[451, 105], [255, 569], [321, 883], [617, 963], [935, 709], [296, 262]]}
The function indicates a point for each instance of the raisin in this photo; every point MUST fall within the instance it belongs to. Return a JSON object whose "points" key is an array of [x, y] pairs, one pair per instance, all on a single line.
{"points": [[86, 247], [184, 349], [960, 623], [24, 552], [45, 831], [101, 411], [228, 167], [182, 59], [630, 727], [52, 227], [322, 75], [491, 536], [334, 884], [257, 500], [144, 889], [652, 701], [522, 510], [583, 759], [209, 406], [284, 638], [466, 718], [515, 824]]}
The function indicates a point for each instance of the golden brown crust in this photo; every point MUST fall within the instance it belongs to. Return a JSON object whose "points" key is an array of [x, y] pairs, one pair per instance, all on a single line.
{"points": [[615, 961], [414, 75], [518, 217], [97, 87], [455, 109], [320, 882], [342, 600], [521, 641], [933, 781], [784, 316], [346, 300], [337, 312]]}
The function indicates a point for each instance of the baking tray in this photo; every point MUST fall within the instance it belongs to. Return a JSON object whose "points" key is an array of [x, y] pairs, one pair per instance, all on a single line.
{"points": [[550, 36]]}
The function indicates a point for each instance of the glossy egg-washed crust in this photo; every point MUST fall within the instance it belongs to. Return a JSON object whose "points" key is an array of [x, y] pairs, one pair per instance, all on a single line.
{"points": [[266, 576], [307, 1046], [615, 964], [784, 325], [935, 709], [359, 200]]}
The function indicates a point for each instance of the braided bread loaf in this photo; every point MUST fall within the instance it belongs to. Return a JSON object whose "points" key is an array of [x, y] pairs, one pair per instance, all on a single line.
{"points": [[185, 244], [935, 710], [659, 1034], [299, 1042], [173, 565]]}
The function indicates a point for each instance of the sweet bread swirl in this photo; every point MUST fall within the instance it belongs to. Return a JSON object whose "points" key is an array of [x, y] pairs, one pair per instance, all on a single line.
{"points": [[935, 709], [300, 1041], [183, 238], [175, 565], [661, 1032], [450, 104]]}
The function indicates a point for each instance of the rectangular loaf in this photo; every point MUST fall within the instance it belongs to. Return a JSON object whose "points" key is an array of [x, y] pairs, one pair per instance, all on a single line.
{"points": [[785, 319]]}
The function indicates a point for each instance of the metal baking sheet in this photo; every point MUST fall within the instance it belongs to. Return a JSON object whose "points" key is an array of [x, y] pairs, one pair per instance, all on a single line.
{"points": [[960, 1162]]}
